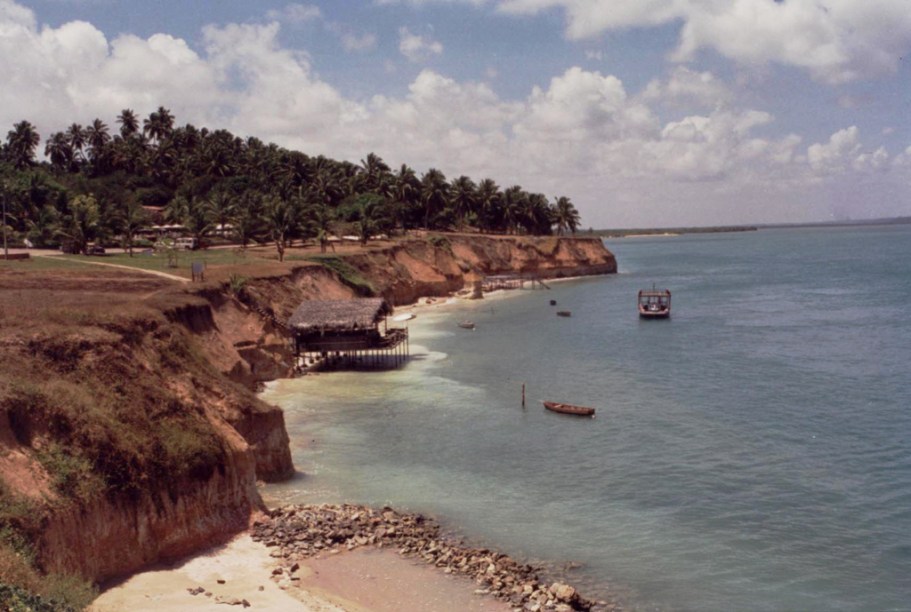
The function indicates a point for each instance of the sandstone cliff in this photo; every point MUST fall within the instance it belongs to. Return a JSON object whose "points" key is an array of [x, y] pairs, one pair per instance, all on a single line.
{"points": [[251, 350], [129, 432]]}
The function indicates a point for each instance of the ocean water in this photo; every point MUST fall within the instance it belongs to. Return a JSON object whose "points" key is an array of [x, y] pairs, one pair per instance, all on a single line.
{"points": [[751, 453]]}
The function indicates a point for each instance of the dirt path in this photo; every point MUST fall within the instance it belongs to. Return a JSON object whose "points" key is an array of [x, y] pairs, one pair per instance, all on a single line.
{"points": [[174, 277]]}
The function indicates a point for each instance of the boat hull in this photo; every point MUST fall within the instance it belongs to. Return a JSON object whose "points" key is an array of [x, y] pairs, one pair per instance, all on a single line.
{"points": [[660, 314], [570, 409]]}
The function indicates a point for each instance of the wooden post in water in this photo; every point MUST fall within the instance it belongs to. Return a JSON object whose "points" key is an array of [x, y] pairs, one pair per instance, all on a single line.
{"points": [[523, 395]]}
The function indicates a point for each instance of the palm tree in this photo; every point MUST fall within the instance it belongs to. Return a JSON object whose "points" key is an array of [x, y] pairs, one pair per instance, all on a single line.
{"points": [[371, 216], [177, 210], [98, 138], [198, 220], [513, 199], [566, 216], [82, 224], [489, 200], [42, 226], [374, 174], [434, 194], [282, 218], [537, 217], [58, 150], [221, 205], [129, 124], [21, 143], [247, 218], [463, 198], [129, 220], [406, 192], [75, 137], [159, 125], [321, 219]]}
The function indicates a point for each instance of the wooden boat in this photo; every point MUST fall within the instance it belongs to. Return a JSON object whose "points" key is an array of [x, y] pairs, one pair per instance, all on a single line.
{"points": [[569, 409], [564, 313], [654, 303], [466, 324]]}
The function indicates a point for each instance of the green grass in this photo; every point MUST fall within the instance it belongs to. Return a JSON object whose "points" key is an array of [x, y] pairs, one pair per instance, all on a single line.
{"points": [[348, 274], [179, 265], [40, 263]]}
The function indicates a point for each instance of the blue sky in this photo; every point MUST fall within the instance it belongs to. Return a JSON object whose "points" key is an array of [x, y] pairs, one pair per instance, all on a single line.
{"points": [[643, 112]]}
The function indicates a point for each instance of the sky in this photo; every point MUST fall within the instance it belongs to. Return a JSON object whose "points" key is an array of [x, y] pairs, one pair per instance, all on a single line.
{"points": [[645, 113]]}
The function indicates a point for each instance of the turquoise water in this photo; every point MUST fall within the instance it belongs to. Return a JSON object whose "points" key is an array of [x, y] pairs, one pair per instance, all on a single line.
{"points": [[751, 453]]}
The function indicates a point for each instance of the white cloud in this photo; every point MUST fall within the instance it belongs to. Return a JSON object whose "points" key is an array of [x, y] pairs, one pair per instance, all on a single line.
{"points": [[836, 41], [295, 13], [583, 134], [877, 161], [685, 86], [582, 105], [416, 47], [836, 154]]}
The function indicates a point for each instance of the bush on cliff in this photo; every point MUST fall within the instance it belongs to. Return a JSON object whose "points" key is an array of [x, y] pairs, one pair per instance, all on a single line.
{"points": [[15, 599], [347, 273]]}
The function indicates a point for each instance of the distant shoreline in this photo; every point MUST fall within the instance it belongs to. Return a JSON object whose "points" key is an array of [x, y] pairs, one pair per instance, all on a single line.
{"points": [[676, 231]]}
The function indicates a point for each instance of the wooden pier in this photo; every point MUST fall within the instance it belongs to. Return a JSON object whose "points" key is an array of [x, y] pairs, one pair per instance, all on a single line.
{"points": [[347, 334], [512, 281]]}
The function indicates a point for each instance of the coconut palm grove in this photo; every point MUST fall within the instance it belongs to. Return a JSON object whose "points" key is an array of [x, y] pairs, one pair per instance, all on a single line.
{"points": [[104, 185]]}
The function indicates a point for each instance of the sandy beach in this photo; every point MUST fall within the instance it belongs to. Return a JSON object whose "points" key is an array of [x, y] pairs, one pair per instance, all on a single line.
{"points": [[240, 572]]}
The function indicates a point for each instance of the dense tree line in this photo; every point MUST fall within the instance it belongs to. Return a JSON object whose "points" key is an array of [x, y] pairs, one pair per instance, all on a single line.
{"points": [[97, 181]]}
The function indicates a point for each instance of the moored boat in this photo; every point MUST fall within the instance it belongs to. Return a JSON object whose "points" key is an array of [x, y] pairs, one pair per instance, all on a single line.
{"points": [[564, 313], [570, 409], [654, 303], [466, 324]]}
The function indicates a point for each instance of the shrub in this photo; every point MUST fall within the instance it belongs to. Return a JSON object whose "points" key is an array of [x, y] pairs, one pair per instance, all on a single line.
{"points": [[347, 273], [440, 242], [73, 475], [67, 592]]}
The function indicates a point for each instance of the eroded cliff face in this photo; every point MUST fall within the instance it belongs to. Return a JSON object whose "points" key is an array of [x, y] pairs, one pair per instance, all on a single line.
{"points": [[417, 268], [141, 448], [106, 538], [424, 267], [138, 434]]}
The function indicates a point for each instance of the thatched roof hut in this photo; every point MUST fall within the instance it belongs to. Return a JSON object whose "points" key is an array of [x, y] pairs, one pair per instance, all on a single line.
{"points": [[339, 315]]}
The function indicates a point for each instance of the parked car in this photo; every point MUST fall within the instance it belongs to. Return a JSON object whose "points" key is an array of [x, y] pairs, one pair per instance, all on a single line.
{"points": [[94, 249], [188, 244]]}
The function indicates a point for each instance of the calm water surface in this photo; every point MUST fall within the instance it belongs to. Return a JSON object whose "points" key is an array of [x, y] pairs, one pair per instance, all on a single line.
{"points": [[752, 453]]}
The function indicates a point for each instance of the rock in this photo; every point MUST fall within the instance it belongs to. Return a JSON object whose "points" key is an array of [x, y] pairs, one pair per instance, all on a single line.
{"points": [[305, 531], [562, 592]]}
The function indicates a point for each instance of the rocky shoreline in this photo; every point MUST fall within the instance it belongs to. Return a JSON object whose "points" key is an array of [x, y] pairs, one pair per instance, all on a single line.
{"points": [[299, 532]]}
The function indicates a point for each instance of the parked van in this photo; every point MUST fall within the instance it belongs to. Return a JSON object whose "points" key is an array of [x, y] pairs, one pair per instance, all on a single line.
{"points": [[188, 244]]}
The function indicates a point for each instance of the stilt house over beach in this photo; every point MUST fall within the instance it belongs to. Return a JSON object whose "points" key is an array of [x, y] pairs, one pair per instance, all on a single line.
{"points": [[347, 333]]}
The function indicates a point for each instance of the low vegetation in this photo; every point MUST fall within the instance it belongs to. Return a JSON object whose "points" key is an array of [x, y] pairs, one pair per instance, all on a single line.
{"points": [[346, 272], [105, 396]]}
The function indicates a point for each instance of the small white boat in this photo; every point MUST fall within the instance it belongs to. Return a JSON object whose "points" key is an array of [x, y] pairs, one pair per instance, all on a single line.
{"points": [[405, 316]]}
